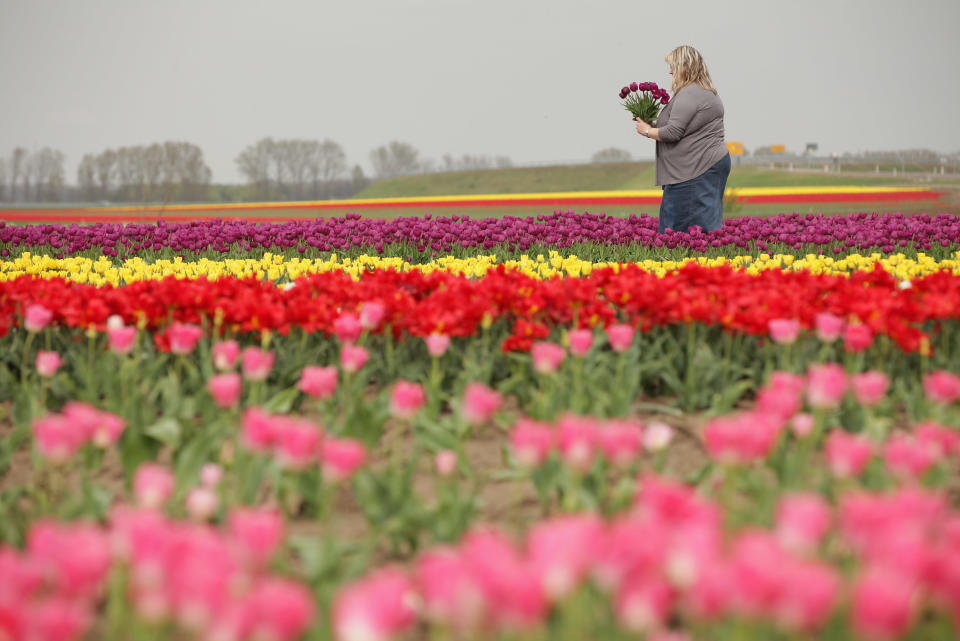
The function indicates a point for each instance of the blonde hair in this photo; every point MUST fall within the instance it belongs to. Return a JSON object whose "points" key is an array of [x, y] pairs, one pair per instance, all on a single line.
{"points": [[689, 68]]}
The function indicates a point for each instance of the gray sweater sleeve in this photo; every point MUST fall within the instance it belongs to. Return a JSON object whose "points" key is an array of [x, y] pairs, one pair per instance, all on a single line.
{"points": [[685, 107]]}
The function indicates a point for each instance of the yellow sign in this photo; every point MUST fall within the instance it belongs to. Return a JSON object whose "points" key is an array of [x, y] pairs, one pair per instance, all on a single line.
{"points": [[778, 149], [735, 147]]}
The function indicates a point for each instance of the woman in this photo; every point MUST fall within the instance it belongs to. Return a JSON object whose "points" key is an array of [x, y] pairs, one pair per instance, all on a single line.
{"points": [[692, 158]]}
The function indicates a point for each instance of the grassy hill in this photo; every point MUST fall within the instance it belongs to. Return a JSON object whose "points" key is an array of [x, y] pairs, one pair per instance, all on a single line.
{"points": [[598, 177]]}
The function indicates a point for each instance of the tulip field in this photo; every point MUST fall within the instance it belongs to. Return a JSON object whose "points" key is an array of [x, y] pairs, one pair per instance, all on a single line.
{"points": [[564, 426]]}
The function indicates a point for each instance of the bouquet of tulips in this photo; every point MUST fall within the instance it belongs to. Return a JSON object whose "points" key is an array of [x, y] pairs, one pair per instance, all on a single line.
{"points": [[644, 100]]}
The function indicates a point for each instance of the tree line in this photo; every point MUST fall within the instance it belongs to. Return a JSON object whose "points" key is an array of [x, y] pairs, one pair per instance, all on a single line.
{"points": [[172, 171]]}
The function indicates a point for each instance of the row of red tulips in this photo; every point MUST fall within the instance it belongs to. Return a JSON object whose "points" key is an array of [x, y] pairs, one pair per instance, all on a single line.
{"points": [[418, 304]]}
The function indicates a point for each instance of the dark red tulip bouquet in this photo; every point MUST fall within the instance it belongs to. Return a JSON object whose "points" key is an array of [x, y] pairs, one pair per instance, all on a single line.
{"points": [[644, 100]]}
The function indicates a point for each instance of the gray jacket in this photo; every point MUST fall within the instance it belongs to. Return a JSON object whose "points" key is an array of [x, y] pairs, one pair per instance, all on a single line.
{"points": [[691, 135]]}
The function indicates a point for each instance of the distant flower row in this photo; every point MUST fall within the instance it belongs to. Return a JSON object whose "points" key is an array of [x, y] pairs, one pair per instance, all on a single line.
{"points": [[833, 234]]}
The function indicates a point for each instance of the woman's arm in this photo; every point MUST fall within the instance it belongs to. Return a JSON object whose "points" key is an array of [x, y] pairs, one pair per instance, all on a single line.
{"points": [[645, 129], [681, 113]]}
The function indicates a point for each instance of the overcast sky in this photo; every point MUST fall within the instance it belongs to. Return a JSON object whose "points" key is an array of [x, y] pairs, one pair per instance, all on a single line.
{"points": [[534, 80]]}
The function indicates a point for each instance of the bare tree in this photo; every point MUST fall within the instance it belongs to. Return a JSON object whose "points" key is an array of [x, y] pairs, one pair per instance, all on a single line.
{"points": [[87, 177], [395, 159], [612, 154], [154, 159], [29, 172], [17, 162], [3, 179], [49, 174], [254, 163], [194, 174], [106, 164], [296, 156], [326, 164]]}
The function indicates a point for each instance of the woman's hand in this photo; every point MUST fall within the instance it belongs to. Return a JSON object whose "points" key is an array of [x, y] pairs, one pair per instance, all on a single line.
{"points": [[642, 126]]}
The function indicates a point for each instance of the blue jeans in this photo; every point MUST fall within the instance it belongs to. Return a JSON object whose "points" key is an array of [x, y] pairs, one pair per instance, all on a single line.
{"points": [[698, 201]]}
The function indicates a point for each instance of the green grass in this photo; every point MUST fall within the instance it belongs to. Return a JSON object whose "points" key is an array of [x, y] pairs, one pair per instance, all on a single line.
{"points": [[600, 177]]}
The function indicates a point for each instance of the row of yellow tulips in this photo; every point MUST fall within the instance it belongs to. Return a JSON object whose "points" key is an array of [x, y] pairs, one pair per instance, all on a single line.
{"points": [[277, 268]]}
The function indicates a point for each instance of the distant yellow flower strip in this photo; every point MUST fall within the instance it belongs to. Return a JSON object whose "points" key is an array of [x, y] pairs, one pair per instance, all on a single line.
{"points": [[275, 268]]}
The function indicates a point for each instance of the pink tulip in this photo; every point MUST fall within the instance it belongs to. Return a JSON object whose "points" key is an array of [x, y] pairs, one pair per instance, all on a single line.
{"points": [[451, 594], [75, 557], [56, 619], [281, 608], [353, 358], [377, 608], [620, 337], [225, 389], [742, 438], [621, 441], [371, 314], [877, 526], [657, 436], [341, 457], [802, 424], [580, 342], [847, 454], [908, 457], [809, 597], [102, 428], [318, 382], [437, 344], [546, 356], [578, 440], [347, 328], [445, 463], [183, 337], [406, 399], [152, 485], [802, 520], [826, 385], [857, 338], [869, 388], [561, 551], [36, 317], [256, 363], [225, 354], [480, 403], [787, 382], [643, 604], [883, 605], [296, 441], [211, 474], [512, 587], [781, 402], [784, 331], [258, 430], [202, 503], [122, 339], [57, 438], [47, 363], [942, 387], [945, 440], [257, 531], [828, 327], [531, 442]]}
